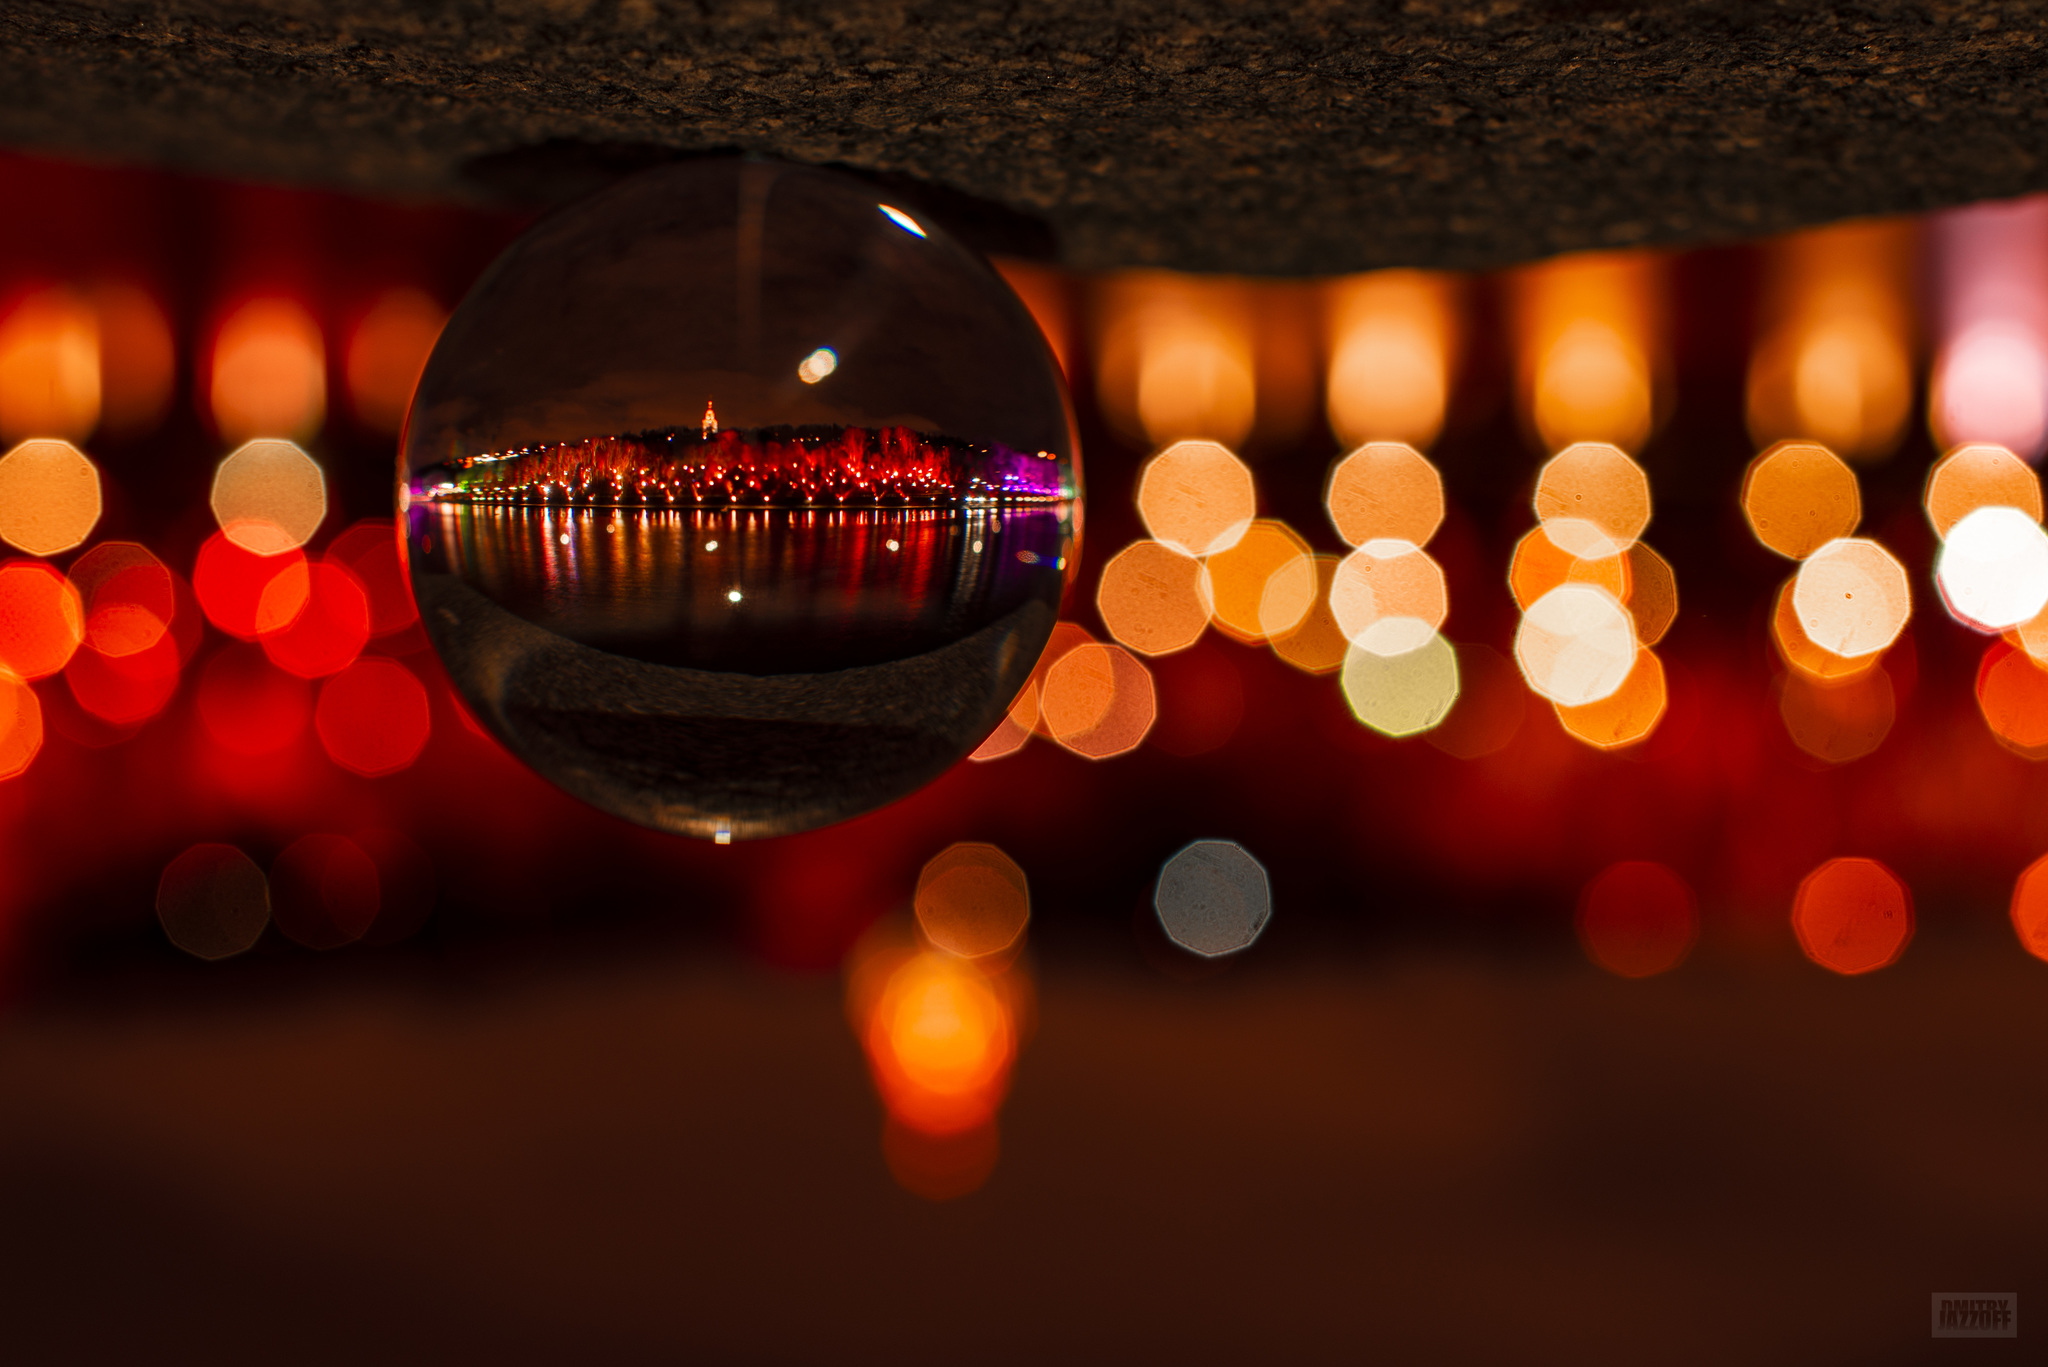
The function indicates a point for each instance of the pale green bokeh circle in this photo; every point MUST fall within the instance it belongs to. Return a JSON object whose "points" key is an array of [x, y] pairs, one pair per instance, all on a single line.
{"points": [[1402, 695]]}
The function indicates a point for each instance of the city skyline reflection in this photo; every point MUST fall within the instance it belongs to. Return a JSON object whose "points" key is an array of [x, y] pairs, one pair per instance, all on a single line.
{"points": [[749, 590]]}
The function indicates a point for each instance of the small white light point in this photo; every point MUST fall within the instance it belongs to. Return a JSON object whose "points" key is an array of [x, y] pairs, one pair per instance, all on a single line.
{"points": [[732, 595]]}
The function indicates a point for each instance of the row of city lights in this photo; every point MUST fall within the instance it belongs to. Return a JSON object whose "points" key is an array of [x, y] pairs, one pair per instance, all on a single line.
{"points": [[856, 466]]}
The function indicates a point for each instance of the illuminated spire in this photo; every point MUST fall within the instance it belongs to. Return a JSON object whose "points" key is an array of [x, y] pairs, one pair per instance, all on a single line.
{"points": [[710, 419]]}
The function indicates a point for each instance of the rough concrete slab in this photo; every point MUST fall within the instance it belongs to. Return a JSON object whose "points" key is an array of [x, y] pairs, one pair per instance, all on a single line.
{"points": [[1253, 136]]}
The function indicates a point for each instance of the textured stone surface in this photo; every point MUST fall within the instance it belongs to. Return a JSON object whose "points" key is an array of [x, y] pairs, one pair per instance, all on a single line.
{"points": [[1255, 136]]}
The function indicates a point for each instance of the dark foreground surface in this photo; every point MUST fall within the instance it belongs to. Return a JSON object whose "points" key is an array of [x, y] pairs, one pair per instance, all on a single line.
{"points": [[1218, 135], [1407, 1156]]}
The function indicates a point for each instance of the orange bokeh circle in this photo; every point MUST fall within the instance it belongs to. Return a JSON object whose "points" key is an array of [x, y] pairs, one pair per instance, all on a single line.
{"points": [[1852, 916]]}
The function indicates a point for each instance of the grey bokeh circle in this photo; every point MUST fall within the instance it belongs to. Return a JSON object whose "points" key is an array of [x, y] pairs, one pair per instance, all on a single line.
{"points": [[213, 901], [1213, 898]]}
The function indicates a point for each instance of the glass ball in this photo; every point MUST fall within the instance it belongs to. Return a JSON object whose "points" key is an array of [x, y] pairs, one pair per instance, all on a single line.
{"points": [[738, 499]]}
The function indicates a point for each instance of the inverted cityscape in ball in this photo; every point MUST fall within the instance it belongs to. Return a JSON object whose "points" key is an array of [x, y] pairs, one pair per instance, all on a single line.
{"points": [[739, 499]]}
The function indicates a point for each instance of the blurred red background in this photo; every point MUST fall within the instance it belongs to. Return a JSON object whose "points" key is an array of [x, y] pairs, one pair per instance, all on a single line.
{"points": [[1430, 1023]]}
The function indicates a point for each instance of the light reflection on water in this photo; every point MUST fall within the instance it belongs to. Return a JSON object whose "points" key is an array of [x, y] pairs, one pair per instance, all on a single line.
{"points": [[749, 590]]}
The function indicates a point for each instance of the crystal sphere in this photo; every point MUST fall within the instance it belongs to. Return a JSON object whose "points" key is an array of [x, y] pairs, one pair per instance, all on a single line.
{"points": [[738, 499]]}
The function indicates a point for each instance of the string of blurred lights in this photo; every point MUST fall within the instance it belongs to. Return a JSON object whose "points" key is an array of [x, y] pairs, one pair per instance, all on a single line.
{"points": [[1594, 597]]}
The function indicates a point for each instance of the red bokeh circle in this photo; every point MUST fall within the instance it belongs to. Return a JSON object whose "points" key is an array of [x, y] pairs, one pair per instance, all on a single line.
{"points": [[372, 717]]}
